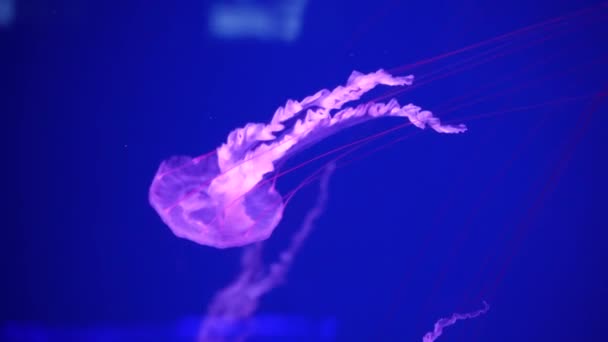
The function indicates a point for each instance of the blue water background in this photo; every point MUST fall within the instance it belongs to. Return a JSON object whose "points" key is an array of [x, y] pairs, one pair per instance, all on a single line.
{"points": [[106, 90]]}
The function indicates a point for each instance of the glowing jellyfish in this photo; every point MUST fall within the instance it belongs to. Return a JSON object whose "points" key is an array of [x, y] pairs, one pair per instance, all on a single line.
{"points": [[224, 199]]}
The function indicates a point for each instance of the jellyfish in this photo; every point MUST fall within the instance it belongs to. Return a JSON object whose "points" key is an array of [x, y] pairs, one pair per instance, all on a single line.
{"points": [[227, 198]]}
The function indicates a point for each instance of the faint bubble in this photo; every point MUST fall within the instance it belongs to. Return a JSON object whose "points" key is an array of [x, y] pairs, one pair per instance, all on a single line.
{"points": [[251, 19], [7, 12]]}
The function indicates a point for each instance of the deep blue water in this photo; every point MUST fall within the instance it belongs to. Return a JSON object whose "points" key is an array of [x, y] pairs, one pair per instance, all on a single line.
{"points": [[511, 212]]}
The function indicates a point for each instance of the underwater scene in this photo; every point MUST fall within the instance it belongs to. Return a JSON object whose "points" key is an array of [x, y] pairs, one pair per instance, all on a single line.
{"points": [[304, 170]]}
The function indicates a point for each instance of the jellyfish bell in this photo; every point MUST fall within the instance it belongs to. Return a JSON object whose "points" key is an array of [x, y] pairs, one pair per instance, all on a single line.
{"points": [[201, 203], [225, 199]]}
